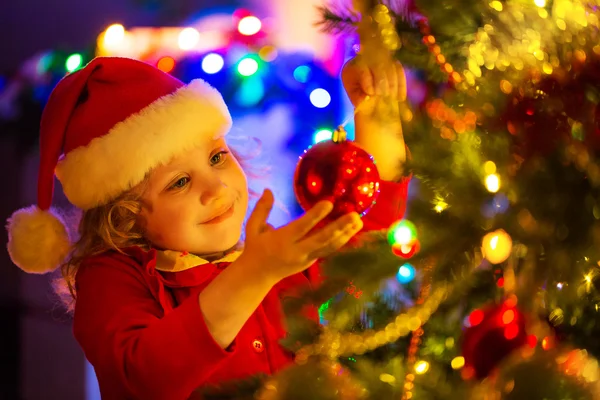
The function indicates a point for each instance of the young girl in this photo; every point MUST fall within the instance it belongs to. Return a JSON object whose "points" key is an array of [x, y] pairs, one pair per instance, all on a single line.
{"points": [[166, 300]]}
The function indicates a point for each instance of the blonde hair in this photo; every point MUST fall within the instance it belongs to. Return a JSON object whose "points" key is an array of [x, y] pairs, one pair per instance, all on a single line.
{"points": [[115, 226]]}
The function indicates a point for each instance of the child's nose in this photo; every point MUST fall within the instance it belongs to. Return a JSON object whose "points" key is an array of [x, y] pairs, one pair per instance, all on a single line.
{"points": [[214, 189]]}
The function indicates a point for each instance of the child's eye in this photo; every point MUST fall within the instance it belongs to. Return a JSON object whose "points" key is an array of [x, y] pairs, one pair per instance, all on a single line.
{"points": [[218, 158], [181, 182]]}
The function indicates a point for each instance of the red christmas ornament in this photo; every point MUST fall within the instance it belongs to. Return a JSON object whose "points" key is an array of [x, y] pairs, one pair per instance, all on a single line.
{"points": [[494, 333], [339, 171]]}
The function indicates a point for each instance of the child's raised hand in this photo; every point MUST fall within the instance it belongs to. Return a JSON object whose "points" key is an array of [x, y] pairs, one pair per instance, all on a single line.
{"points": [[384, 82], [292, 248]]}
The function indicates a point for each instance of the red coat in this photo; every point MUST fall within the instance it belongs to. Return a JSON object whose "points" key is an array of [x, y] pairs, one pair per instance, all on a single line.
{"points": [[145, 335]]}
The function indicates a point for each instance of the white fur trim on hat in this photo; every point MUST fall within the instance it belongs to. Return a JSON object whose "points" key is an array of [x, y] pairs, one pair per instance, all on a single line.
{"points": [[38, 241], [94, 174]]}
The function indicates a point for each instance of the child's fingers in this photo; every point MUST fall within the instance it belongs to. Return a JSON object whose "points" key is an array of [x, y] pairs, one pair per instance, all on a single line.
{"points": [[258, 219], [392, 76], [297, 229], [381, 80], [365, 80], [401, 76], [336, 243], [331, 237]]}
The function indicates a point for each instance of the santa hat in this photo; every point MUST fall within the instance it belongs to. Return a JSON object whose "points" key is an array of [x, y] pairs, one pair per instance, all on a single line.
{"points": [[103, 129]]}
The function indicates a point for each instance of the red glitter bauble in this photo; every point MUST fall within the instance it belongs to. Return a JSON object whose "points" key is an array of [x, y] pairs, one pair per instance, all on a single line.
{"points": [[339, 171], [494, 333]]}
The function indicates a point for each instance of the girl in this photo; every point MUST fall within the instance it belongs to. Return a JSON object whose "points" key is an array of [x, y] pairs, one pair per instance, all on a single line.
{"points": [[165, 299]]}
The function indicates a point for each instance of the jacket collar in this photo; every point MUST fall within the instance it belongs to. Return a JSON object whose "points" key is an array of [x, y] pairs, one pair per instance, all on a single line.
{"points": [[176, 261]]}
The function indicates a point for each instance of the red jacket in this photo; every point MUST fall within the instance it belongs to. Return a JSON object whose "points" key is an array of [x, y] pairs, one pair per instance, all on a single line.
{"points": [[145, 335]]}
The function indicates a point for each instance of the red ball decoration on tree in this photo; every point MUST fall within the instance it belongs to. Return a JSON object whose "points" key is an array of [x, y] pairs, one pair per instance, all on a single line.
{"points": [[494, 333], [339, 171]]}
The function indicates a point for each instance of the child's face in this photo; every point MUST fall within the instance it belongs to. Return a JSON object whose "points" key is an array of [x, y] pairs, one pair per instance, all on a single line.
{"points": [[197, 202]]}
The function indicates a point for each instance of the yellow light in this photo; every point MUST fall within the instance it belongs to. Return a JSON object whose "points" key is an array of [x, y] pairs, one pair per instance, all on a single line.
{"points": [[188, 38], [496, 5], [492, 183], [249, 25], [114, 35], [457, 362], [489, 167], [588, 278], [540, 3], [421, 367], [496, 246], [440, 206]]}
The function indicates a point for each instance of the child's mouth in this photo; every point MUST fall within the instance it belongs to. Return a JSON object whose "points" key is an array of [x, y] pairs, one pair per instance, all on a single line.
{"points": [[221, 216]]}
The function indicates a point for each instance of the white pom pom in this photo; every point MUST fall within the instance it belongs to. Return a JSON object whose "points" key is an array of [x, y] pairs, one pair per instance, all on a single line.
{"points": [[38, 241]]}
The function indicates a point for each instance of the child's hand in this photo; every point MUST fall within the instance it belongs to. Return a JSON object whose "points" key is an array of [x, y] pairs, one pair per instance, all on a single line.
{"points": [[378, 128], [292, 248], [385, 83]]}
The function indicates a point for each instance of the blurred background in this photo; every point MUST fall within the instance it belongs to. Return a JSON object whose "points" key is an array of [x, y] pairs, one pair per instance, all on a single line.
{"points": [[277, 72]]}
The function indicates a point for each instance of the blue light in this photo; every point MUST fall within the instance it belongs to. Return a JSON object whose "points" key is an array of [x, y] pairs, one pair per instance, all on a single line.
{"points": [[251, 92], [302, 73], [320, 98], [322, 135], [406, 273], [212, 63], [501, 203]]}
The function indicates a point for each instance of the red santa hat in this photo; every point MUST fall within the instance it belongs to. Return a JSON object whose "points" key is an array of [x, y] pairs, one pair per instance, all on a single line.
{"points": [[103, 129]]}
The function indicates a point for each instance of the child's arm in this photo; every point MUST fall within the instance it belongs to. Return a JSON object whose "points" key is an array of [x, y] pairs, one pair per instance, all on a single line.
{"points": [[131, 344]]}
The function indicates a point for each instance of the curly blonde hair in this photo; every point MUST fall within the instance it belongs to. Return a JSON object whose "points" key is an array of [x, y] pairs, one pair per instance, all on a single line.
{"points": [[116, 226], [112, 226]]}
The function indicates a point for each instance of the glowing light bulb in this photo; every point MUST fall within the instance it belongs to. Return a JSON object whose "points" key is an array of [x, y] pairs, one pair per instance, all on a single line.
{"points": [[402, 232], [440, 206], [114, 35], [302, 73], [540, 3], [212, 63], [73, 62], [166, 64], [492, 183], [489, 167], [406, 273], [249, 25], [247, 66], [476, 317], [320, 98], [322, 135], [421, 367], [496, 246], [457, 362], [188, 38]]}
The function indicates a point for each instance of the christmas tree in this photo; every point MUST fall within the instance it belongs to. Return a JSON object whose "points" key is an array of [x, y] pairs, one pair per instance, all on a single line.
{"points": [[489, 288]]}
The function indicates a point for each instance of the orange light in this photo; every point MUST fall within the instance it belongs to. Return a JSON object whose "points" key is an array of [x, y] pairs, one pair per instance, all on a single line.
{"points": [[166, 64], [456, 77], [508, 316], [547, 343]]}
